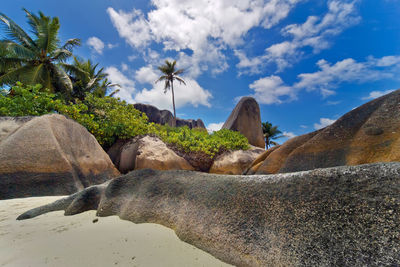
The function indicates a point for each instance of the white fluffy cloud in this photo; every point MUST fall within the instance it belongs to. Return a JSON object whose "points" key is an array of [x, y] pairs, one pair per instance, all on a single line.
{"points": [[289, 134], [127, 85], [146, 75], [204, 27], [97, 45], [212, 127], [315, 32], [323, 122], [272, 89], [376, 94]]}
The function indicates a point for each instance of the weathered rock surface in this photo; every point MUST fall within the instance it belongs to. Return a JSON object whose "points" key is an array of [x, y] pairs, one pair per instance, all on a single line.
{"points": [[49, 155], [165, 117], [245, 118], [146, 152], [367, 134], [235, 162], [343, 216]]}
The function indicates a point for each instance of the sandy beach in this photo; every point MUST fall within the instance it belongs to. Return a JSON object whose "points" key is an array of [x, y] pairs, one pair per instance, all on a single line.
{"points": [[56, 240]]}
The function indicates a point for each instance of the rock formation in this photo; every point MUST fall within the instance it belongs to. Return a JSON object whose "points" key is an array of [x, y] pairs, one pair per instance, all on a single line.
{"points": [[49, 155], [235, 162], [367, 134], [146, 152], [165, 117], [343, 216], [245, 118]]}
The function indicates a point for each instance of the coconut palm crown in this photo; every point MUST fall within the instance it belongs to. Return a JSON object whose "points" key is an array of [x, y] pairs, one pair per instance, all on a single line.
{"points": [[270, 133], [37, 59], [170, 74], [87, 78]]}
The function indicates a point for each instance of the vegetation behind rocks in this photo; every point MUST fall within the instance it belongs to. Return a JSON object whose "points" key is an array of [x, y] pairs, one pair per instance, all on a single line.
{"points": [[109, 119]]}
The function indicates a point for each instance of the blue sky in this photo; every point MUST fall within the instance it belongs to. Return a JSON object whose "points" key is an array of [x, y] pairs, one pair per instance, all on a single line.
{"points": [[307, 62]]}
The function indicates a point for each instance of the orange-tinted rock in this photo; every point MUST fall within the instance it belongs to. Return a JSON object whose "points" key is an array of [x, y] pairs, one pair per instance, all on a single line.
{"points": [[49, 155], [235, 162], [245, 118], [146, 153], [367, 134]]}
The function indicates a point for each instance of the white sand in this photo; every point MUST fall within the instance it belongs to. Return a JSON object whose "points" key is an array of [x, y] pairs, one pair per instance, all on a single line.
{"points": [[56, 240]]}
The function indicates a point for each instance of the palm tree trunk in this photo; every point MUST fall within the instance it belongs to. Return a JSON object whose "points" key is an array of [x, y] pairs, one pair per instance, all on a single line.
{"points": [[173, 102]]}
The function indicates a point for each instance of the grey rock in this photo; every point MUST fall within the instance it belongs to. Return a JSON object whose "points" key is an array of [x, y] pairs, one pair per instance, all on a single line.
{"points": [[165, 117], [245, 118], [342, 216]]}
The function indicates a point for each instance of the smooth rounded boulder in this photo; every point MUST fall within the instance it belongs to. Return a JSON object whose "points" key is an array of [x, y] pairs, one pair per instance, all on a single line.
{"points": [[367, 134], [235, 162], [49, 155], [245, 118], [146, 152], [342, 216]]}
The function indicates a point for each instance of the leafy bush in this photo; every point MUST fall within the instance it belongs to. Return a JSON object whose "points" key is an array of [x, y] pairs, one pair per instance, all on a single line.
{"points": [[109, 119], [27, 100], [199, 140]]}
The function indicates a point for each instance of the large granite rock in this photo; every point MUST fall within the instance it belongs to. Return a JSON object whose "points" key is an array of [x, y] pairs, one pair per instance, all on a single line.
{"points": [[49, 155], [245, 118], [146, 152], [165, 117], [343, 216], [235, 162], [367, 134]]}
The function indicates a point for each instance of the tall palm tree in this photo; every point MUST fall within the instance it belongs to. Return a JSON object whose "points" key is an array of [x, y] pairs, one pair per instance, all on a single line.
{"points": [[37, 59], [170, 74], [270, 133], [86, 78]]}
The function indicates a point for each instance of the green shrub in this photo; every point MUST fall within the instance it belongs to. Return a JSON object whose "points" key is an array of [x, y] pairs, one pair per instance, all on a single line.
{"points": [[29, 100], [200, 140], [109, 119]]}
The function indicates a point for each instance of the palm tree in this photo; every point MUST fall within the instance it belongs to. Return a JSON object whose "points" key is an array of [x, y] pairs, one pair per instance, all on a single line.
{"points": [[170, 74], [270, 133], [86, 78], [35, 60]]}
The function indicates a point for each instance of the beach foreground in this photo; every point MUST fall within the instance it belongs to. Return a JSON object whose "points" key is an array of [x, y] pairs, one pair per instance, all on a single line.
{"points": [[55, 240]]}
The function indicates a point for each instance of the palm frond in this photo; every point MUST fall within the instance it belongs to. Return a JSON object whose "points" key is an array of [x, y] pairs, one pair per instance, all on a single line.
{"points": [[13, 75], [15, 32], [71, 43], [62, 80], [13, 49], [61, 54], [48, 33], [178, 72], [180, 80]]}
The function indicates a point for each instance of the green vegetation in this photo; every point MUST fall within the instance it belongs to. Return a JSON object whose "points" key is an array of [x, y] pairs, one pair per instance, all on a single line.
{"points": [[199, 140], [270, 133], [109, 119], [170, 74], [37, 80], [40, 59]]}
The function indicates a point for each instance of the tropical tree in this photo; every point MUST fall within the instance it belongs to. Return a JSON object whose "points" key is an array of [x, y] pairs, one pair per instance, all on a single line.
{"points": [[35, 60], [270, 133], [86, 78], [170, 74]]}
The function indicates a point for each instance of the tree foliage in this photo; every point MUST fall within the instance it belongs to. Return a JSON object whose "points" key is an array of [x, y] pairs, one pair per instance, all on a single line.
{"points": [[109, 119], [170, 74], [270, 133], [39, 59]]}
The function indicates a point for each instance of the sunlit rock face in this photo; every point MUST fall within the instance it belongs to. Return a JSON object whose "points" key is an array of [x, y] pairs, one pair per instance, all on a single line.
{"points": [[49, 155], [245, 118], [367, 134], [342, 216], [146, 152]]}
